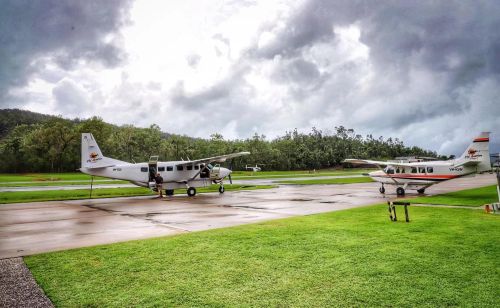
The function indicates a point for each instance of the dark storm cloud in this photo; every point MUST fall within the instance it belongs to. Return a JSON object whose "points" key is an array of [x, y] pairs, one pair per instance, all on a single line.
{"points": [[64, 31], [428, 57]]}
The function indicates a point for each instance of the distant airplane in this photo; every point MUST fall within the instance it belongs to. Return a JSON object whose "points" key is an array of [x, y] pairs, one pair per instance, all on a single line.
{"points": [[255, 168], [176, 174], [420, 175]]}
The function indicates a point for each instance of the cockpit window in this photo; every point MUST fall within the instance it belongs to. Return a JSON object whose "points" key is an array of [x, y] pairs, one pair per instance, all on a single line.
{"points": [[421, 169], [209, 166], [389, 170]]}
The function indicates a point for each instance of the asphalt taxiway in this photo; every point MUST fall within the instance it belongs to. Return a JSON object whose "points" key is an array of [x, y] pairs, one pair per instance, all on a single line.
{"points": [[31, 228]]}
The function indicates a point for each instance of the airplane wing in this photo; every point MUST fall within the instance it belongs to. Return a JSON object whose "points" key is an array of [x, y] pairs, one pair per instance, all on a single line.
{"points": [[375, 162], [218, 159]]}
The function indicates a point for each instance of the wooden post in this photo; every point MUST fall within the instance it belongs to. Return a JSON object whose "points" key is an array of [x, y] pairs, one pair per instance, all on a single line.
{"points": [[406, 213]]}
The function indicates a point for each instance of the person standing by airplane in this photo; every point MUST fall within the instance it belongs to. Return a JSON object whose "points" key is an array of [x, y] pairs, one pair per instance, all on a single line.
{"points": [[159, 184]]}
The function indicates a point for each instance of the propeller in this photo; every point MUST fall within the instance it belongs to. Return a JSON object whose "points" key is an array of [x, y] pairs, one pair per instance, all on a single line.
{"points": [[230, 169]]}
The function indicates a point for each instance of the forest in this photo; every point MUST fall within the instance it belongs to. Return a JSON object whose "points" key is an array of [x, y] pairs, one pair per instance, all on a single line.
{"points": [[32, 142]]}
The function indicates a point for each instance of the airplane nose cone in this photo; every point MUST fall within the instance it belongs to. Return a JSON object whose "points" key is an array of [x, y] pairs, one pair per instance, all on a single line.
{"points": [[224, 172]]}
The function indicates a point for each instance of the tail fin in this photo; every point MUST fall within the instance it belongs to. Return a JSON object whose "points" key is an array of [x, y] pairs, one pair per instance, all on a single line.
{"points": [[92, 156], [478, 153]]}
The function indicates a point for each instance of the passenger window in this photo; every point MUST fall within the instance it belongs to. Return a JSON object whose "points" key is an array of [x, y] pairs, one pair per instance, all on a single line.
{"points": [[170, 168], [180, 168], [390, 171], [196, 167], [430, 170], [397, 170], [413, 170], [161, 169], [403, 170], [144, 169], [189, 167], [421, 169]]}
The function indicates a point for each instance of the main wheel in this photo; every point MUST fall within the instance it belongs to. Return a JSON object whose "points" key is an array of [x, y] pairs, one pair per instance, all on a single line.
{"points": [[169, 192], [421, 190], [400, 191], [221, 189], [191, 191], [382, 190]]}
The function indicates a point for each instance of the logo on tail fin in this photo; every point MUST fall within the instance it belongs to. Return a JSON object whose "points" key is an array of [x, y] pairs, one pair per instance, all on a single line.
{"points": [[472, 154], [93, 157]]}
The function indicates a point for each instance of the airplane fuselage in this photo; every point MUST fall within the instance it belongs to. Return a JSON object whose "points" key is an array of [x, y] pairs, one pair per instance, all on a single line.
{"points": [[420, 174], [174, 176]]}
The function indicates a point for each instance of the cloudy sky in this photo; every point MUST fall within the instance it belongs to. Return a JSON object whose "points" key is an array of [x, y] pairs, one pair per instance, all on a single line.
{"points": [[427, 72]]}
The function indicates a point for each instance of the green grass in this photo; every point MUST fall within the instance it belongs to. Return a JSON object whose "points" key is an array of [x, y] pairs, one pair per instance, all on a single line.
{"points": [[467, 197], [61, 183], [356, 258], [329, 181], [241, 175], [43, 177], [52, 195]]}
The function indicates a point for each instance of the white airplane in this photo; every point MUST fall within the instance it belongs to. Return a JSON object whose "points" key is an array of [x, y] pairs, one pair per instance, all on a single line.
{"points": [[253, 168], [420, 175], [176, 174]]}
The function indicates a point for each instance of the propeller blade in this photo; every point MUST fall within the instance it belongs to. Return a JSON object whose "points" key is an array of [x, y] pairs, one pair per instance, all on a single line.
{"points": [[230, 179]]}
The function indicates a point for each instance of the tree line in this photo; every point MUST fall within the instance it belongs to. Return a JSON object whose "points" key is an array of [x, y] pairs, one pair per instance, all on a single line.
{"points": [[53, 145]]}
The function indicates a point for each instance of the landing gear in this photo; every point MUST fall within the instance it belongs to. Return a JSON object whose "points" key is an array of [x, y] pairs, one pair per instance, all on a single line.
{"points": [[169, 192], [400, 191], [382, 189], [221, 189], [191, 191], [421, 190]]}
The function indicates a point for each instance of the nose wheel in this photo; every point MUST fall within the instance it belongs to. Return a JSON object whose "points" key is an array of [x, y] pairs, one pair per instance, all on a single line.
{"points": [[221, 189], [400, 191]]}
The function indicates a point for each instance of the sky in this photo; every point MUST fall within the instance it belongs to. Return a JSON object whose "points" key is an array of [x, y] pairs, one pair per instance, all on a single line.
{"points": [[427, 72]]}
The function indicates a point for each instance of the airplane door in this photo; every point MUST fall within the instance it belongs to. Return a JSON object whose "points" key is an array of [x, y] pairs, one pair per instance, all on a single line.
{"points": [[153, 167]]}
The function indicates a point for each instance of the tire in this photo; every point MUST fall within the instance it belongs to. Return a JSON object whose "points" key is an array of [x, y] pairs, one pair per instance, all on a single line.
{"points": [[191, 191], [381, 190], [400, 191], [221, 189], [169, 192], [421, 190]]}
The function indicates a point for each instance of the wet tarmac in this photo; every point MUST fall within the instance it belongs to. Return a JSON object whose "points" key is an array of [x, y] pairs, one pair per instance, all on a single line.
{"points": [[31, 228]]}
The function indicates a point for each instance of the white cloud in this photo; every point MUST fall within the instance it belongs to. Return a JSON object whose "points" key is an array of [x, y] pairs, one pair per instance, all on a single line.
{"points": [[425, 72]]}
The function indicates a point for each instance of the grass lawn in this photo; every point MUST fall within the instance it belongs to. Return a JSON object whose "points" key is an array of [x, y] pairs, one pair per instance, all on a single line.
{"points": [[50, 195], [43, 177], [241, 175], [61, 183], [357, 257], [364, 179], [468, 197]]}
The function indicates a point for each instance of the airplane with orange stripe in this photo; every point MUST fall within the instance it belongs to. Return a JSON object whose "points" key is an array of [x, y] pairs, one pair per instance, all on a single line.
{"points": [[420, 175]]}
